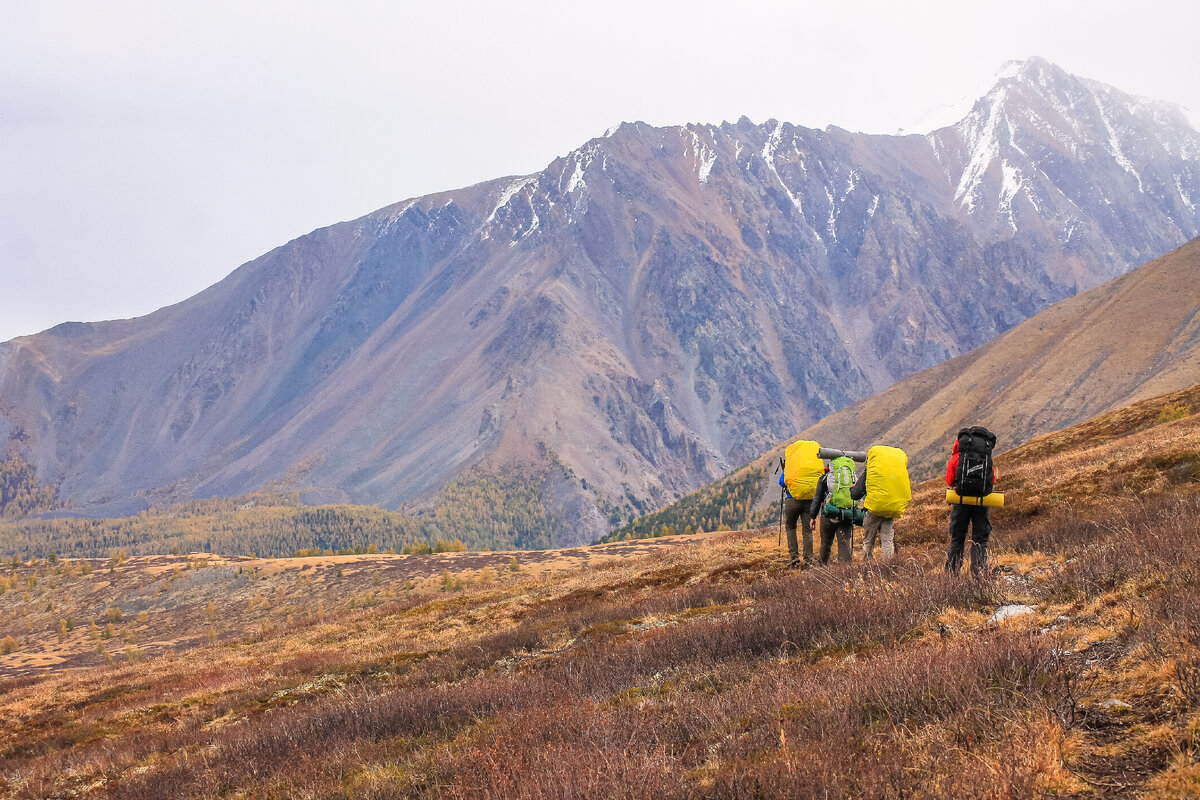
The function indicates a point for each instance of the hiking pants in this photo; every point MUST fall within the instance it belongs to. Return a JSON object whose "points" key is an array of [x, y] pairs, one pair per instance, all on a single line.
{"points": [[979, 518], [797, 510], [881, 527], [845, 535]]}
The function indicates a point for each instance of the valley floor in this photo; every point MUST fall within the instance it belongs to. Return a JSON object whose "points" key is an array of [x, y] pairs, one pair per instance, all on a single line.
{"points": [[684, 667]]}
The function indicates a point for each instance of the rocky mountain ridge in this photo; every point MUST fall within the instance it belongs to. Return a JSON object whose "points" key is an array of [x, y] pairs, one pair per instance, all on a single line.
{"points": [[650, 309]]}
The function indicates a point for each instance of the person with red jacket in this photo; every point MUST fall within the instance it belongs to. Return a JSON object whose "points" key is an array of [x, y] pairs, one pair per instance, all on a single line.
{"points": [[961, 516]]}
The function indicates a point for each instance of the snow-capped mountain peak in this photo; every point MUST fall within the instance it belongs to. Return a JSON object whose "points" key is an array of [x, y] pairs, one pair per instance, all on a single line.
{"points": [[1008, 155]]}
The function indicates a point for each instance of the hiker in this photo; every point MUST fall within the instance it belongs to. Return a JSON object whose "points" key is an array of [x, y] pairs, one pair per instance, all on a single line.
{"points": [[970, 473], [836, 509], [802, 470], [885, 487]]}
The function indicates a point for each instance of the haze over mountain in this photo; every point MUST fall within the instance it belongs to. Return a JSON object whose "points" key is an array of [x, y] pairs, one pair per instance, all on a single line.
{"points": [[619, 328]]}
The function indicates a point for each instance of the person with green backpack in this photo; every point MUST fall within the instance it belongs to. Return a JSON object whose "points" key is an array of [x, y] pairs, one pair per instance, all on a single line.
{"points": [[837, 510]]}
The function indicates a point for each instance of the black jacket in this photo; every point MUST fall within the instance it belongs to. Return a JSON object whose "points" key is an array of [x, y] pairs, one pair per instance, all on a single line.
{"points": [[818, 501], [859, 490]]}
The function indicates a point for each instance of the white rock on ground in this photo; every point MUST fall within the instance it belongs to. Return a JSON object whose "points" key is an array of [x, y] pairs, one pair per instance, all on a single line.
{"points": [[1114, 703], [1004, 612]]}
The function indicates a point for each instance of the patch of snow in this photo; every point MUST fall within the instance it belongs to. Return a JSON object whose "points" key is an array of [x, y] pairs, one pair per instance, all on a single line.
{"points": [[577, 184], [980, 133], [402, 210], [799, 157], [1012, 136], [874, 206], [704, 156], [831, 223], [578, 181], [506, 197], [768, 155], [533, 224], [1009, 188], [1183, 194], [1033, 193], [1115, 146], [938, 146], [583, 159]]}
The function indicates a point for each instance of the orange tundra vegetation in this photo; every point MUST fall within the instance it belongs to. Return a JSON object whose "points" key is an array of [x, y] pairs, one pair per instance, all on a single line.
{"points": [[681, 667]]}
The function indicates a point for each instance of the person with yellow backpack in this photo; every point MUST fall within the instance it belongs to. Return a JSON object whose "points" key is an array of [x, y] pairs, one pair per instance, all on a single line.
{"points": [[802, 469], [885, 486]]}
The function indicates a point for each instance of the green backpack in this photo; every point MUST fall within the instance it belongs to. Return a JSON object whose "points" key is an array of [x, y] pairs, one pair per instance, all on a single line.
{"points": [[841, 472], [839, 506]]}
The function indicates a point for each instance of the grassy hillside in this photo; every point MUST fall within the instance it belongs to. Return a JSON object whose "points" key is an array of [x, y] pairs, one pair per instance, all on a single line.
{"points": [[1132, 338], [683, 667], [756, 481]]}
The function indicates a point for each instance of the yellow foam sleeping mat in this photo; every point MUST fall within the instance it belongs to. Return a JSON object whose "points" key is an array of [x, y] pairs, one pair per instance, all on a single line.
{"points": [[995, 499]]}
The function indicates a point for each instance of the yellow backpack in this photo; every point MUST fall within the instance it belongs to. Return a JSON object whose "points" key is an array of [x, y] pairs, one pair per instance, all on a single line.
{"points": [[802, 469], [888, 489]]}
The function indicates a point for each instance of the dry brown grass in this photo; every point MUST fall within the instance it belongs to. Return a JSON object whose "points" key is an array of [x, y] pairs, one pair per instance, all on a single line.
{"points": [[1103, 465], [676, 668]]}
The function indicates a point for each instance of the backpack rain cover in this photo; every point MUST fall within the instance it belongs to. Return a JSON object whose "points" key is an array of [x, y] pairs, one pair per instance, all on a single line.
{"points": [[888, 489], [802, 468]]}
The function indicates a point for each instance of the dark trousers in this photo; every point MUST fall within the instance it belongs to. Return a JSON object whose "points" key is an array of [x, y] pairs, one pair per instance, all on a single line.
{"points": [[797, 511], [978, 517], [845, 538]]}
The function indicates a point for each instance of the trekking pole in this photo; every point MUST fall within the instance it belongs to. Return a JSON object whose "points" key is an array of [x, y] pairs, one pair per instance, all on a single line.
{"points": [[780, 516], [780, 506]]}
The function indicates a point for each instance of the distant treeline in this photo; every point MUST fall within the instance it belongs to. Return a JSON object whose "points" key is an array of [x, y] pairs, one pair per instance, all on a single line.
{"points": [[20, 493], [482, 511], [725, 505], [275, 530]]}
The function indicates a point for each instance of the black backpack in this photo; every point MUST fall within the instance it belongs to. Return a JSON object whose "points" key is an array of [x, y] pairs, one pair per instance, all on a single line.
{"points": [[974, 476]]}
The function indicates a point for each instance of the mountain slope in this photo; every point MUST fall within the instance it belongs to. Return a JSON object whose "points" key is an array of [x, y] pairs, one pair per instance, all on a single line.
{"points": [[1135, 337], [620, 327]]}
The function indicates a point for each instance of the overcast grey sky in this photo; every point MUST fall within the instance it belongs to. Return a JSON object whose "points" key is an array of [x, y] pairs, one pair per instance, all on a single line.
{"points": [[149, 148]]}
